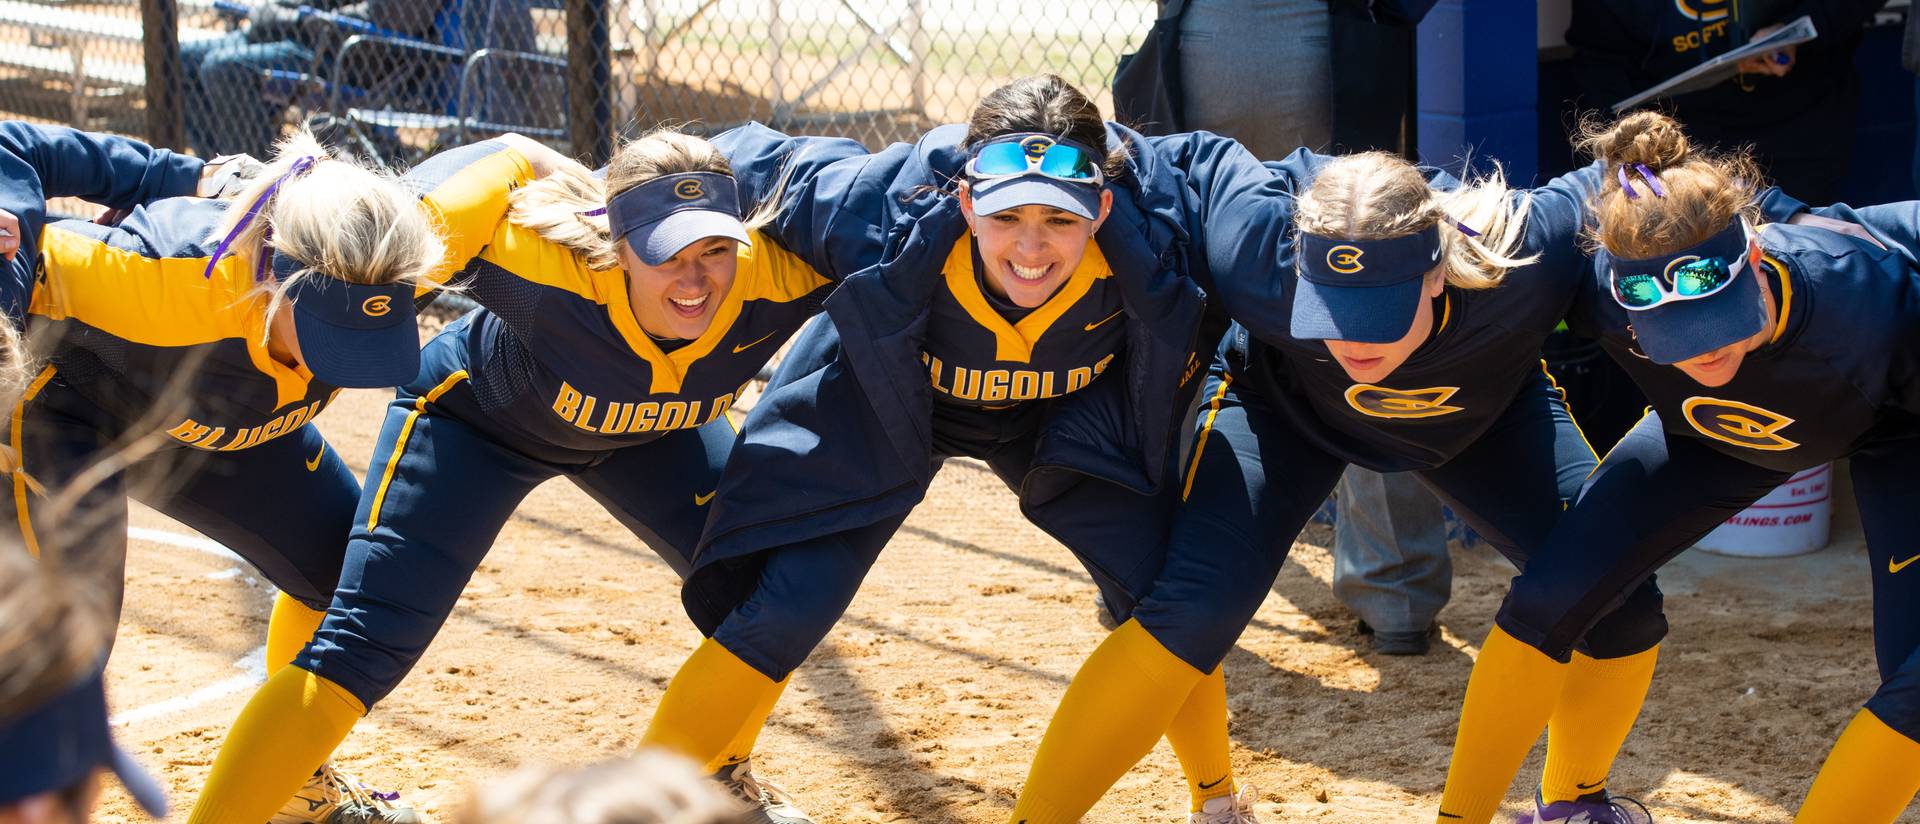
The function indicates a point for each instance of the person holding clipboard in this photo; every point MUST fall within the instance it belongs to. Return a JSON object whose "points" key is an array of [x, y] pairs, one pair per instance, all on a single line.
{"points": [[1785, 104]]}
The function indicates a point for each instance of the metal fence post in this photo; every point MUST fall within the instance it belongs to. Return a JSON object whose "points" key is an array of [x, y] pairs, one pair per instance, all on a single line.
{"points": [[589, 75], [917, 43], [160, 32]]}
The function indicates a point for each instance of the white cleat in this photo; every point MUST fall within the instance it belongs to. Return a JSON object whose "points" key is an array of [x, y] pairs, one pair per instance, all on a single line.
{"points": [[1228, 809]]}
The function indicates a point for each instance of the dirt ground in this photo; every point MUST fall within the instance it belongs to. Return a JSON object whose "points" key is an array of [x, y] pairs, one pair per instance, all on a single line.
{"points": [[926, 702]]}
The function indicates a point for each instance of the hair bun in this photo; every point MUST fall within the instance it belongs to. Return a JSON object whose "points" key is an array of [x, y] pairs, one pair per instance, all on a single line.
{"points": [[1651, 138]]}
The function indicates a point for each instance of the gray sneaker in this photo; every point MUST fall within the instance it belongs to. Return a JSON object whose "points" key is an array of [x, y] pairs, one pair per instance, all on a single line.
{"points": [[766, 803], [331, 797]]}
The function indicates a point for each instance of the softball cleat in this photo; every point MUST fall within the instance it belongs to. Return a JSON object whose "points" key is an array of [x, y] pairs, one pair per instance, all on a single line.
{"points": [[1228, 809], [1592, 808], [766, 803], [331, 797]]}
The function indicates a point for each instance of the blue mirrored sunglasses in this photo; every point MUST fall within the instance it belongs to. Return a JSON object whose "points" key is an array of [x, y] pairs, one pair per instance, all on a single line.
{"points": [[1059, 162]]}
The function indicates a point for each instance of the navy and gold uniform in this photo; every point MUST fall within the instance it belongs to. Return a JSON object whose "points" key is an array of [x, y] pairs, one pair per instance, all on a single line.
{"points": [[142, 342], [983, 351], [921, 364], [1471, 411], [1839, 377], [552, 376]]}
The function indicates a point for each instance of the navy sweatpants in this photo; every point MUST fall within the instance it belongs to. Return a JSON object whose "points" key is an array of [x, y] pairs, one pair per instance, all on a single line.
{"points": [[283, 505], [1254, 481], [804, 588], [439, 490], [1654, 496]]}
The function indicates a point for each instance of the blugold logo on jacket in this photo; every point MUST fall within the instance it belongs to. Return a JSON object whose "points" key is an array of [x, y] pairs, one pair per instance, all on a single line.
{"points": [[1737, 423], [1381, 402], [376, 306], [1345, 259], [688, 189]]}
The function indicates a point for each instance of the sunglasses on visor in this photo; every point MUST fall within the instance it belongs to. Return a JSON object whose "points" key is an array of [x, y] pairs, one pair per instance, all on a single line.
{"points": [[1698, 278], [1059, 162]]}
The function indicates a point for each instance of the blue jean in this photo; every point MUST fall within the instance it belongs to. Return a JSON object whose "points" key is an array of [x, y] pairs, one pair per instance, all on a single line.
{"points": [[1258, 71], [1390, 562], [220, 80]]}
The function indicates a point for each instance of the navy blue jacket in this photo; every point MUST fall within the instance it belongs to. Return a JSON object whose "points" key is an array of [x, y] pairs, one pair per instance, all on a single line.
{"points": [[843, 438], [39, 162], [1841, 370]]}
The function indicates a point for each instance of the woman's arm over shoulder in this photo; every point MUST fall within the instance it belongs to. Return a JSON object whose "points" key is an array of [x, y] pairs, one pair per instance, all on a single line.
{"points": [[466, 190], [110, 170], [825, 208]]}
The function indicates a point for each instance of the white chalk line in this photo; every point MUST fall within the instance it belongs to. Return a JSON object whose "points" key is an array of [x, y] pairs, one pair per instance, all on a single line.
{"points": [[253, 665]]}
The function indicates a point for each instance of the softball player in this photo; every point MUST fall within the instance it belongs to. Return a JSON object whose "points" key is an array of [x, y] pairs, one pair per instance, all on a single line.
{"points": [[977, 317], [1382, 319], [189, 347], [607, 348], [1765, 350]]}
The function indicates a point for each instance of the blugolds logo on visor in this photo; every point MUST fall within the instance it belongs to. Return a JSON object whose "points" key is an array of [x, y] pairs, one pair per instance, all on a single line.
{"points": [[1381, 402], [689, 190], [1737, 423], [1345, 259], [1036, 147], [376, 306]]}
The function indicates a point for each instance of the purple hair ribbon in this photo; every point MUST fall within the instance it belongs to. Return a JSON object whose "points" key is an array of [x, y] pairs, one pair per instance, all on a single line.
{"points": [[593, 212], [1465, 229], [299, 167], [1653, 183]]}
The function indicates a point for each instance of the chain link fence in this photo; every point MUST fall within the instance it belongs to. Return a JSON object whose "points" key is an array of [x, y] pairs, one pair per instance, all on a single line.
{"points": [[399, 79]]}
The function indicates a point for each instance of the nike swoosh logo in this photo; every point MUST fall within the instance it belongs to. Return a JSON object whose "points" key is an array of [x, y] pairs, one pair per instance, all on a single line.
{"points": [[1092, 326], [1594, 786], [738, 349], [1893, 568], [1214, 783], [701, 500], [314, 465]]}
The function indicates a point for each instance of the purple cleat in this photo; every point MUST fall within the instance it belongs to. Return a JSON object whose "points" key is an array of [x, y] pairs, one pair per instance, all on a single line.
{"points": [[1592, 808]]}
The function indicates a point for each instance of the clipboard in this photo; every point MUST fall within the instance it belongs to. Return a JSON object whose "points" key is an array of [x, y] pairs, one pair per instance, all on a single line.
{"points": [[1727, 65]]}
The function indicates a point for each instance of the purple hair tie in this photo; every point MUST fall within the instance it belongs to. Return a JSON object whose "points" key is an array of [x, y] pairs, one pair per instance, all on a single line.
{"points": [[1465, 229], [593, 212], [1653, 183], [299, 167]]}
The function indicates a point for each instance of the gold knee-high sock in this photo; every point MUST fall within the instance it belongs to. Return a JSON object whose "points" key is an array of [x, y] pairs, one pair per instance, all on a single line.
{"points": [[1596, 711], [741, 747], [1199, 737], [1118, 705], [708, 703], [1510, 697], [1869, 778], [285, 733], [288, 630]]}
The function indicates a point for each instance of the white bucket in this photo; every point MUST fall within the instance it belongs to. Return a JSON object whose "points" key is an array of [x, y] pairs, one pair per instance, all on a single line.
{"points": [[1793, 519]]}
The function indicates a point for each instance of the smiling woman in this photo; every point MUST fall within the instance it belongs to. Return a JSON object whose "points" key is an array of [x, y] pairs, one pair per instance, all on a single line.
{"points": [[988, 302], [619, 322]]}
